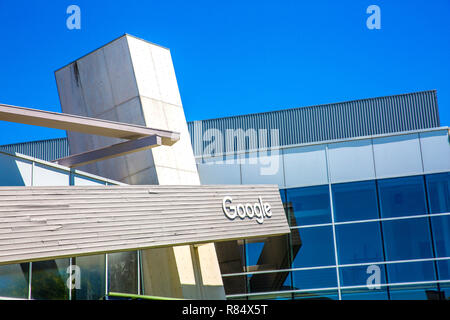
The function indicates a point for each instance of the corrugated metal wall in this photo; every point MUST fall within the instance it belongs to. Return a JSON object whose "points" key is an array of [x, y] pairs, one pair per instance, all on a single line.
{"points": [[372, 116], [47, 150], [412, 111]]}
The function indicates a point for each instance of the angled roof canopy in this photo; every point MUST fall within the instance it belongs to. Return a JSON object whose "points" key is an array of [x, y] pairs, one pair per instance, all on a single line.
{"points": [[139, 135]]}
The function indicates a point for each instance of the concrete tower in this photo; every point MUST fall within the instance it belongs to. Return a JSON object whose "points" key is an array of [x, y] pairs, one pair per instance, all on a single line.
{"points": [[133, 81]]}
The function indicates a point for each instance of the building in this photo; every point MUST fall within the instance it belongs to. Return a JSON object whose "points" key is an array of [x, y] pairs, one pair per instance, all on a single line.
{"points": [[365, 186]]}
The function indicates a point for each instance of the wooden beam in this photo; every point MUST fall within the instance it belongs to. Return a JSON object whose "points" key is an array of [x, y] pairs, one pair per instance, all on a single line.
{"points": [[83, 124], [111, 151]]}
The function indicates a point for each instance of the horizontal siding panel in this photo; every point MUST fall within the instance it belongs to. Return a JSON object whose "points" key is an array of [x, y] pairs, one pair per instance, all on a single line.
{"points": [[40, 223]]}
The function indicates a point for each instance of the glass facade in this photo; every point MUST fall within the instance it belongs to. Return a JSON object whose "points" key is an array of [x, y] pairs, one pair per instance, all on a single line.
{"points": [[376, 239], [77, 278]]}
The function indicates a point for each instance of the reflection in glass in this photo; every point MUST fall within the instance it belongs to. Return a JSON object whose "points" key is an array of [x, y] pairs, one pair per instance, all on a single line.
{"points": [[314, 279], [364, 294], [272, 296], [441, 234], [359, 242], [411, 272], [122, 272], [316, 248], [231, 256], [443, 267], [317, 295], [14, 280], [438, 187], [92, 277], [235, 284], [269, 282], [309, 205], [414, 292], [355, 201], [268, 254], [407, 239], [49, 280], [402, 197]]}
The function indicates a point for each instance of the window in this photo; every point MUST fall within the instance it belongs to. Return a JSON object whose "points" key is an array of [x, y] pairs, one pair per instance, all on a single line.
{"points": [[231, 256], [415, 292], [309, 205], [14, 280], [267, 254], [49, 279], [443, 267], [441, 234], [316, 247], [269, 282], [235, 284], [438, 187], [355, 201], [359, 243], [122, 272], [411, 272], [402, 197], [315, 279], [407, 239], [92, 278], [317, 295], [364, 294]]}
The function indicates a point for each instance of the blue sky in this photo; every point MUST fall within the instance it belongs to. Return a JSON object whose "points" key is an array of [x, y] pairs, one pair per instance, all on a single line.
{"points": [[234, 57]]}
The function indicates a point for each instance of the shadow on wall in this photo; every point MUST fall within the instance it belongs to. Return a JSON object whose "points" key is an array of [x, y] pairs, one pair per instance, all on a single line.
{"points": [[14, 171]]}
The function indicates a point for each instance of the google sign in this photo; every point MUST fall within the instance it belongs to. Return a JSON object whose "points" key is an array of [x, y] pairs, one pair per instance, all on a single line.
{"points": [[257, 209]]}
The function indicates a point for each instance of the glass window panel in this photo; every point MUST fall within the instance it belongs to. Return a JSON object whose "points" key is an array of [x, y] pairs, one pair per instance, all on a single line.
{"points": [[273, 296], [92, 269], [314, 279], [402, 197], [312, 247], [407, 239], [443, 267], [122, 272], [309, 205], [414, 292], [364, 294], [441, 235], [355, 201], [49, 280], [317, 295], [370, 275], [359, 242], [438, 188], [269, 282], [231, 256], [253, 252], [235, 284], [445, 291], [411, 272], [14, 280], [267, 254]]}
